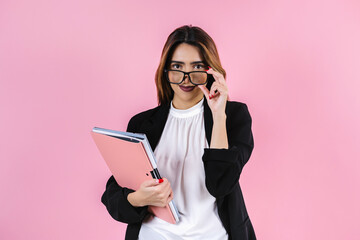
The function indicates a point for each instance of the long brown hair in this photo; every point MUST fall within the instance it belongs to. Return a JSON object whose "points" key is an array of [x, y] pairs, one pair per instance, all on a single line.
{"points": [[191, 35]]}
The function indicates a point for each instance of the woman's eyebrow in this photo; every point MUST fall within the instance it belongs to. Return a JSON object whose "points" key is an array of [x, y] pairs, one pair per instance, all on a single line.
{"points": [[190, 63]]}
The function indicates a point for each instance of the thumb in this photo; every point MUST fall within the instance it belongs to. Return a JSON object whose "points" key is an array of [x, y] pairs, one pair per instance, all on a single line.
{"points": [[151, 183]]}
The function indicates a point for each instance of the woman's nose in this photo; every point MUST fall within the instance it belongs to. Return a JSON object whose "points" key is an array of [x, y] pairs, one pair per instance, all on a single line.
{"points": [[186, 80]]}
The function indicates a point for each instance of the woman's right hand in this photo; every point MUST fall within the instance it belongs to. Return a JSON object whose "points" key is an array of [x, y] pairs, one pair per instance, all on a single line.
{"points": [[151, 192]]}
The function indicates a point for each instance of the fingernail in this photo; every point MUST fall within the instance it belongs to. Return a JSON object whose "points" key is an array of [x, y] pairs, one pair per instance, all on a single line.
{"points": [[161, 180], [210, 97]]}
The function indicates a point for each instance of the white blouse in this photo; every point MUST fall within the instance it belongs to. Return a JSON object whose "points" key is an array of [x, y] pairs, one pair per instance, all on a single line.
{"points": [[179, 159]]}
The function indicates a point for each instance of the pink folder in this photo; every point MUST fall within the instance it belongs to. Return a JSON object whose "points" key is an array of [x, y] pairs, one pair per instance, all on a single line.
{"points": [[131, 161]]}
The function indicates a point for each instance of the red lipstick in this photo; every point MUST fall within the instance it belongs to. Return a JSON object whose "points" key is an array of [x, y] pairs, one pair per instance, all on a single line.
{"points": [[187, 88]]}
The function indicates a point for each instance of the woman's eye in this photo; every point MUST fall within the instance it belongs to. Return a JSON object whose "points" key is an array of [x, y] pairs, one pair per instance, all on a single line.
{"points": [[175, 66], [199, 66]]}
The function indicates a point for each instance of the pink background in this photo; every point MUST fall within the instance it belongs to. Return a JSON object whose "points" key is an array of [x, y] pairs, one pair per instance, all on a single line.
{"points": [[67, 66]]}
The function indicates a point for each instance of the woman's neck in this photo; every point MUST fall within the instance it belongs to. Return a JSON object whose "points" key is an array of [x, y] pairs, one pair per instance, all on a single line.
{"points": [[181, 104]]}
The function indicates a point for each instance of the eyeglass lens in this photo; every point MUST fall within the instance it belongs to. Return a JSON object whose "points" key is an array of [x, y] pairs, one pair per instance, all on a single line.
{"points": [[196, 77]]}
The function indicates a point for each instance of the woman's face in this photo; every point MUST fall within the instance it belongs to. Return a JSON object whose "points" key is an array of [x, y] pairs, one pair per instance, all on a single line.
{"points": [[186, 58]]}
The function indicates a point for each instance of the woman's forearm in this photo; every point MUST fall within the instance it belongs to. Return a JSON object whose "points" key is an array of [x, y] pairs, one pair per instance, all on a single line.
{"points": [[219, 135]]}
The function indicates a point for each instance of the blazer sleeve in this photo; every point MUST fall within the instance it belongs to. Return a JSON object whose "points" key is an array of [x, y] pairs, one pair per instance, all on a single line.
{"points": [[115, 197], [223, 166]]}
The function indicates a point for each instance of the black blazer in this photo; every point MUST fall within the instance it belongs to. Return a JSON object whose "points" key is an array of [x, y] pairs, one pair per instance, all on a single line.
{"points": [[222, 170]]}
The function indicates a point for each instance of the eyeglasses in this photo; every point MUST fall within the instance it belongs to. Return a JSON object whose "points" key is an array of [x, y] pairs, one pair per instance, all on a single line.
{"points": [[195, 77]]}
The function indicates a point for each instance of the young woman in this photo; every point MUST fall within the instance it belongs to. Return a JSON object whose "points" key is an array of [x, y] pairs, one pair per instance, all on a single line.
{"points": [[201, 142]]}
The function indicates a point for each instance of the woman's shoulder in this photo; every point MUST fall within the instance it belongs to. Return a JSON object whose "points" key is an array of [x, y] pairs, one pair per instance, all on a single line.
{"points": [[140, 117], [237, 108], [146, 113]]}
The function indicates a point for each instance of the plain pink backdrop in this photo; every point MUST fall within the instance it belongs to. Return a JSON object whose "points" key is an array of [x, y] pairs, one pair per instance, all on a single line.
{"points": [[67, 66]]}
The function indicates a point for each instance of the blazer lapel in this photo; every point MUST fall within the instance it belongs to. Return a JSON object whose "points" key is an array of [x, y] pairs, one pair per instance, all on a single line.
{"points": [[154, 126], [208, 120]]}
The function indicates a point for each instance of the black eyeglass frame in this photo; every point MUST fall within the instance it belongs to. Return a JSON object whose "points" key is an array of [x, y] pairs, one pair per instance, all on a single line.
{"points": [[185, 73]]}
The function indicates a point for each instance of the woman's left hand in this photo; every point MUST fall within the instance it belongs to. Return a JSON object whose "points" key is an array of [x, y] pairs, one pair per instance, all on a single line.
{"points": [[216, 101]]}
